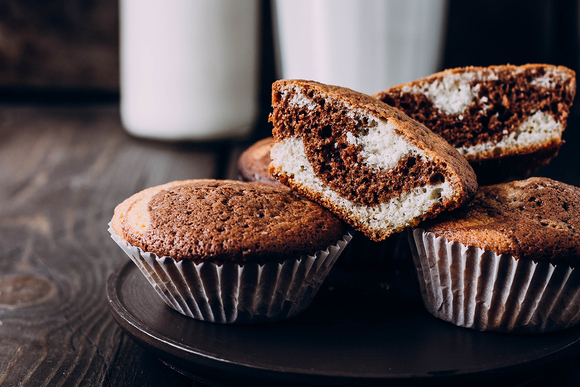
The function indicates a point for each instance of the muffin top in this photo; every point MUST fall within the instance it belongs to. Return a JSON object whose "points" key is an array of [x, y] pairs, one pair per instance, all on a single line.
{"points": [[537, 218], [254, 162], [225, 221]]}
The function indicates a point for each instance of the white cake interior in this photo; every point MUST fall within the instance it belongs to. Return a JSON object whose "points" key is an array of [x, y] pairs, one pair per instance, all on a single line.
{"points": [[289, 156], [537, 130], [551, 78], [380, 146], [453, 93]]}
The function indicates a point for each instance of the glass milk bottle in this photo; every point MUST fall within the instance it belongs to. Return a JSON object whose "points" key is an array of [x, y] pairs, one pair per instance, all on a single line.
{"points": [[365, 45], [189, 68]]}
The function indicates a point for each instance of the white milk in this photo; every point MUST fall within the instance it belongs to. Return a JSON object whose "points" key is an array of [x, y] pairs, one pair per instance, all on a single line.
{"points": [[365, 45], [189, 68]]}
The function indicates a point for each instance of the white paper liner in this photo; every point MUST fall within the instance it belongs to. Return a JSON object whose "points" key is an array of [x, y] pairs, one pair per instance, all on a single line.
{"points": [[482, 290], [234, 293]]}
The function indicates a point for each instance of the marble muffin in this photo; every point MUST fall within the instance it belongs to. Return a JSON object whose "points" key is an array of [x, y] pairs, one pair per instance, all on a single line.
{"points": [[506, 120], [370, 164], [508, 261], [229, 251]]}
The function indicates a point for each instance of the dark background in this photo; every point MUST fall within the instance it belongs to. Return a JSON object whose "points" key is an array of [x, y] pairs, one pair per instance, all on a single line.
{"points": [[58, 46]]}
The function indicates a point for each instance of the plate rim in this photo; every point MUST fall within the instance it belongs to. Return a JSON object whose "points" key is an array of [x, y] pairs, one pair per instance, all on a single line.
{"points": [[170, 350]]}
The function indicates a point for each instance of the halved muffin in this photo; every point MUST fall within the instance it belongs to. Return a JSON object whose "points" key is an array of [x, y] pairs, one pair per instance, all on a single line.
{"points": [[506, 120]]}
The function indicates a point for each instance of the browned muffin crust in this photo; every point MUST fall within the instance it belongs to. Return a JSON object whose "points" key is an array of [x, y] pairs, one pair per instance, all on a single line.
{"points": [[537, 218], [231, 221], [339, 164], [254, 162]]}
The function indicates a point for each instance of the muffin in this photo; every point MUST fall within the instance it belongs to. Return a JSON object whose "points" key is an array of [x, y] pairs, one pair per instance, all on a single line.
{"points": [[507, 262], [254, 162], [229, 251], [370, 164], [506, 120]]}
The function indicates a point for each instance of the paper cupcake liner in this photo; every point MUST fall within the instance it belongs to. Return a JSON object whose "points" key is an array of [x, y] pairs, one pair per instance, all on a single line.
{"points": [[482, 290], [235, 293]]}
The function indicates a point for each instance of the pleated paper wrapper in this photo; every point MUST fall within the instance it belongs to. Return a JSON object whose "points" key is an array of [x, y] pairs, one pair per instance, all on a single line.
{"points": [[482, 290], [235, 293]]}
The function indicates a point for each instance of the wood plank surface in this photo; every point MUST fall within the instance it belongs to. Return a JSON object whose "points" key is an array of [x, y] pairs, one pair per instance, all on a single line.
{"points": [[62, 171]]}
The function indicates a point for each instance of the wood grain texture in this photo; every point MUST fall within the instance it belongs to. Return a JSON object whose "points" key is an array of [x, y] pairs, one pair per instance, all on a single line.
{"points": [[62, 171], [60, 44]]}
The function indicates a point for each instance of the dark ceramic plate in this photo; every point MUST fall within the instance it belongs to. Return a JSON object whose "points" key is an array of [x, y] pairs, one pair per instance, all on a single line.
{"points": [[359, 330]]}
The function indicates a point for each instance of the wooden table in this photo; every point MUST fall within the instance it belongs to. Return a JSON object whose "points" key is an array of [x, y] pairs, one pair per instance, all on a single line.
{"points": [[62, 171]]}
